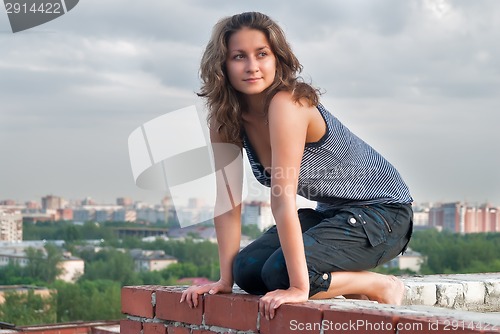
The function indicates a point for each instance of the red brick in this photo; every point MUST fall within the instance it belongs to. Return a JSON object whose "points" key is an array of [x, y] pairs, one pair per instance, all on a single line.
{"points": [[154, 328], [130, 327], [178, 330], [234, 310], [204, 331], [169, 308], [294, 318], [137, 300], [359, 322]]}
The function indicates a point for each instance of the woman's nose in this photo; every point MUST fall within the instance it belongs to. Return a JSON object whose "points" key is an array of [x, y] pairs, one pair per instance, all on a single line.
{"points": [[252, 65]]}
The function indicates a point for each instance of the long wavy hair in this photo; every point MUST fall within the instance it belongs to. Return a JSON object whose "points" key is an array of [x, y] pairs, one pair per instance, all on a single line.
{"points": [[224, 103]]}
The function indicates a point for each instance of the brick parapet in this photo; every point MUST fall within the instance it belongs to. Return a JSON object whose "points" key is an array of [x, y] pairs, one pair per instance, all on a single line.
{"points": [[156, 310]]}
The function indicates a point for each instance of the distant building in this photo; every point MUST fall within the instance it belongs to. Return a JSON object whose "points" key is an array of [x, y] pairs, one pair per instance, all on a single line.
{"points": [[103, 215], [257, 213], [39, 291], [82, 215], [8, 202], [39, 216], [52, 202], [195, 203], [11, 226], [198, 231], [88, 201], [462, 218], [167, 202], [140, 232], [33, 205], [71, 267], [124, 215], [151, 214], [124, 201], [64, 214], [409, 260], [421, 218], [148, 260]]}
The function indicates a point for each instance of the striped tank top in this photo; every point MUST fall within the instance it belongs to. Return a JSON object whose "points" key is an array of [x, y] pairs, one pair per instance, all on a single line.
{"points": [[340, 169]]}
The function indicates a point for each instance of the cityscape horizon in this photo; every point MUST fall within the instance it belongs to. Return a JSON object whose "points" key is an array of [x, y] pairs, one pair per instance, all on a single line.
{"points": [[155, 200]]}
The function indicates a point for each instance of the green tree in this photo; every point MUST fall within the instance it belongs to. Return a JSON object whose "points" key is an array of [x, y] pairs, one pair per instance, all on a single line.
{"points": [[28, 308], [112, 265], [42, 265], [448, 252], [13, 274], [88, 300]]}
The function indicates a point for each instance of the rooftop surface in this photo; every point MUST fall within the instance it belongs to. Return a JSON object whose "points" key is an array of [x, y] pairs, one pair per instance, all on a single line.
{"points": [[433, 304]]}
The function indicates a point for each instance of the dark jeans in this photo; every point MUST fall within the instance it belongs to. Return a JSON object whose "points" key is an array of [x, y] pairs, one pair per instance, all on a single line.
{"points": [[353, 238]]}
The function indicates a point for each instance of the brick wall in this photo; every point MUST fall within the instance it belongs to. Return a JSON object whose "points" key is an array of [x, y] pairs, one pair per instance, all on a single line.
{"points": [[156, 310]]}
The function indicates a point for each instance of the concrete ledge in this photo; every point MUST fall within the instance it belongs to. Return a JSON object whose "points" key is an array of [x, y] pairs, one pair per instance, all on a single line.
{"points": [[434, 304], [470, 292]]}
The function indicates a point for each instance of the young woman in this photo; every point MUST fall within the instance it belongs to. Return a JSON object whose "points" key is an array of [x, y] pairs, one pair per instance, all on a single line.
{"points": [[295, 146]]}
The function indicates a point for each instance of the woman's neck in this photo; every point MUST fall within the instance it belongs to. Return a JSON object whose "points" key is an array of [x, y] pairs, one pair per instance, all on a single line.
{"points": [[255, 105]]}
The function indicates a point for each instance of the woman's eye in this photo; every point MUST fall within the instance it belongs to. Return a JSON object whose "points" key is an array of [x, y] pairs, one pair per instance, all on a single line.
{"points": [[262, 54], [238, 57]]}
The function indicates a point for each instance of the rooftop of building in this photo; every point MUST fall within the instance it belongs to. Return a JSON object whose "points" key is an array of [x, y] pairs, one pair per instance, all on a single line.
{"points": [[20, 287], [432, 304], [79, 327]]}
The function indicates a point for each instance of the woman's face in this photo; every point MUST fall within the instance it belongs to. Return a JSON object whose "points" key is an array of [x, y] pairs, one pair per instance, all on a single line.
{"points": [[250, 62]]}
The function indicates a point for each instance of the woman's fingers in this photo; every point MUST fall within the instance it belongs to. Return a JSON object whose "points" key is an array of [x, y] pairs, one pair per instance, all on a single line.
{"points": [[269, 303], [190, 295], [265, 306], [194, 298]]}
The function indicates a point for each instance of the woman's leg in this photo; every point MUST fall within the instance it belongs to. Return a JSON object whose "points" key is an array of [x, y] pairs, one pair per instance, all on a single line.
{"points": [[380, 245], [341, 247], [248, 265], [381, 288]]}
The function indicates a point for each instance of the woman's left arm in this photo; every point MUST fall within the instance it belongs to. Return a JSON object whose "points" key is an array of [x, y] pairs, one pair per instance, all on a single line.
{"points": [[288, 123]]}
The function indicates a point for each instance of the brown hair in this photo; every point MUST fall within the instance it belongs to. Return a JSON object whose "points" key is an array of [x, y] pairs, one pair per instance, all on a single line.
{"points": [[223, 101]]}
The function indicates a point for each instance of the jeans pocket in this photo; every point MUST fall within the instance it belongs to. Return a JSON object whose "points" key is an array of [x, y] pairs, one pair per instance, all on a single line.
{"points": [[373, 224]]}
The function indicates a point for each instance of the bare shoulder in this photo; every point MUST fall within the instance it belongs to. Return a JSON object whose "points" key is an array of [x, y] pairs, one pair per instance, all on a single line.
{"points": [[282, 99], [283, 104]]}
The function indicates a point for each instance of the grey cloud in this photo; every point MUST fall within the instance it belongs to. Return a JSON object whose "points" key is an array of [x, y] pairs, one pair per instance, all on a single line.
{"points": [[419, 82]]}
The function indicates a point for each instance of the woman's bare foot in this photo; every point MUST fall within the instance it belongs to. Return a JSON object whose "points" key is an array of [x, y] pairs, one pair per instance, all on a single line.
{"points": [[392, 291], [377, 287]]}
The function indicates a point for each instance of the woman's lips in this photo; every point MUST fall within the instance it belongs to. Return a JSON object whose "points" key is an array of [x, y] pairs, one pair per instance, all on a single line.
{"points": [[252, 79]]}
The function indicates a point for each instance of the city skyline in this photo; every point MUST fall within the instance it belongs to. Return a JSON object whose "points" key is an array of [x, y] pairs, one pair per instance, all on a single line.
{"points": [[303, 201], [418, 80]]}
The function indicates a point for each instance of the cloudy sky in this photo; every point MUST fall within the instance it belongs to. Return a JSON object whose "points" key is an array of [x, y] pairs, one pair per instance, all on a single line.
{"points": [[418, 80]]}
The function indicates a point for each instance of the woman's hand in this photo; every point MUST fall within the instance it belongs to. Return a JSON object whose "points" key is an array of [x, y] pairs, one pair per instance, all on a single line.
{"points": [[272, 300], [190, 295]]}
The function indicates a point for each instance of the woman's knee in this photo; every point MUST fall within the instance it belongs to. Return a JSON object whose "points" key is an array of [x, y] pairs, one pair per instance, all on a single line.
{"points": [[274, 273], [238, 270], [246, 274]]}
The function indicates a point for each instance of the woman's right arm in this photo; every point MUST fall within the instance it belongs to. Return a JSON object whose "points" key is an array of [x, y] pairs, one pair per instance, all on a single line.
{"points": [[227, 216]]}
